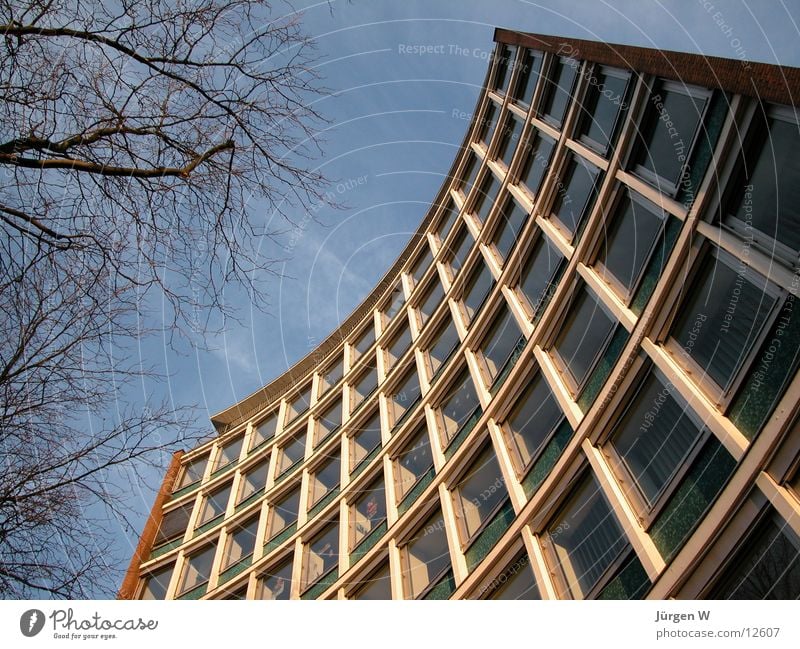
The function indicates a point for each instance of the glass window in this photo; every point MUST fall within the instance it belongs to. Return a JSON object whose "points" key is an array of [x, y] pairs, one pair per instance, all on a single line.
{"points": [[431, 299], [197, 569], [365, 340], [320, 556], [558, 90], [241, 542], [378, 586], [487, 123], [264, 430], [277, 583], [173, 525], [458, 405], [720, 320], [283, 513], [405, 395], [538, 151], [487, 195], [157, 583], [365, 384], [504, 57], [446, 221], [367, 512], [215, 504], [192, 472], [332, 375], [442, 345], [423, 262], [396, 300], [478, 494], [498, 343], [765, 203], [670, 124], [575, 195], [398, 346], [366, 439], [299, 404], [291, 454], [229, 453], [532, 421], [530, 69], [629, 241], [537, 281], [602, 107], [767, 565], [517, 581], [511, 135], [426, 557], [469, 174], [413, 462], [459, 249], [583, 338], [512, 219], [654, 437], [329, 422], [325, 479], [254, 480], [586, 540], [477, 289]]}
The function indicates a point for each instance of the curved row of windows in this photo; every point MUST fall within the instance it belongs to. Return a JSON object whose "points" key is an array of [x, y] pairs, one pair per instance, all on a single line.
{"points": [[655, 324]]}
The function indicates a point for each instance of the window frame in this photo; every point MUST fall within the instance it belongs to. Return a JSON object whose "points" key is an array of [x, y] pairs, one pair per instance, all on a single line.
{"points": [[229, 534], [305, 585], [478, 351], [651, 116], [314, 480], [296, 437], [521, 467], [249, 470], [539, 243], [179, 481], [406, 563], [182, 589], [616, 73], [352, 464], [588, 204], [753, 140], [275, 502], [465, 538], [352, 510], [576, 388], [420, 431], [553, 561], [449, 392], [604, 274], [204, 505], [551, 88], [720, 396], [253, 444], [646, 513]]}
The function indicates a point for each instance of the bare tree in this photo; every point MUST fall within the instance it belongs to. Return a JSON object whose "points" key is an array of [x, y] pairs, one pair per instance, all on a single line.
{"points": [[145, 146]]}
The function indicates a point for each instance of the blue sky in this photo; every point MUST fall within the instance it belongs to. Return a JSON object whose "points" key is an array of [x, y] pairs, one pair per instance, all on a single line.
{"points": [[395, 125]]}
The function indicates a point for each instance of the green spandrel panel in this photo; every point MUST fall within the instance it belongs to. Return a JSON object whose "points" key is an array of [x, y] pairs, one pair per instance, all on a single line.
{"points": [[547, 459], [631, 582], [249, 500], [236, 569], [369, 541], [444, 588], [207, 526], [185, 490], [195, 593], [416, 490], [321, 586], [318, 507], [700, 487], [771, 371], [603, 368], [490, 535], [656, 265], [161, 551], [365, 462], [463, 433], [279, 538]]}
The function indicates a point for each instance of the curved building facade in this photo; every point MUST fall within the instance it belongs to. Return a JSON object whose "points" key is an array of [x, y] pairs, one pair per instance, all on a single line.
{"points": [[579, 380]]}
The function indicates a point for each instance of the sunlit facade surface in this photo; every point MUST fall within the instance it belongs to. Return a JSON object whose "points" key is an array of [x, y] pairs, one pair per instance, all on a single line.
{"points": [[579, 380]]}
